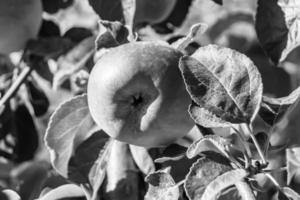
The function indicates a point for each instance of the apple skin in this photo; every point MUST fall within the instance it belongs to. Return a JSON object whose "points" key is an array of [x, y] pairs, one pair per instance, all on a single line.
{"points": [[136, 94], [152, 12], [20, 20]]}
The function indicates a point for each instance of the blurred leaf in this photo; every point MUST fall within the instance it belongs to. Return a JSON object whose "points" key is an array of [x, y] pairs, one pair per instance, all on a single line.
{"points": [[29, 177], [8, 194], [273, 109], [214, 143], [49, 29], [77, 34], [88, 164], [292, 164], [288, 193], [108, 10], [50, 47], [277, 27], [111, 34], [161, 187], [64, 191], [220, 2], [223, 181], [73, 61], [175, 19], [201, 174], [37, 98], [54, 5], [26, 135], [68, 126], [224, 85], [142, 159]]}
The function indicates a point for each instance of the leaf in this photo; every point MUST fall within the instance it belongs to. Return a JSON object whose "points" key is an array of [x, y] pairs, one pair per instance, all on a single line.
{"points": [[51, 47], [37, 98], [277, 27], [224, 84], [74, 60], [221, 182], [8, 194], [201, 174], [292, 164], [161, 187], [77, 34], [111, 34], [214, 143], [64, 191], [89, 163], [142, 159], [289, 193], [173, 152], [122, 175], [273, 109], [68, 126], [220, 2]]}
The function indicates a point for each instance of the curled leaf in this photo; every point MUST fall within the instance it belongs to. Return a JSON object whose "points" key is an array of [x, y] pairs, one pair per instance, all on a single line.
{"points": [[214, 143], [201, 174], [221, 182], [142, 159]]}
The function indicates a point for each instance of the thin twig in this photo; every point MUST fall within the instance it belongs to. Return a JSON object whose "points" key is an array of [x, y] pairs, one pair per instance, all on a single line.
{"points": [[15, 85]]}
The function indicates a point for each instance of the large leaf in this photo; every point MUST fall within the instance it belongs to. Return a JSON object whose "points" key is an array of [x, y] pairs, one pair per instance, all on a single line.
{"points": [[221, 182], [201, 174], [277, 27], [69, 125], [224, 85], [272, 109], [161, 187]]}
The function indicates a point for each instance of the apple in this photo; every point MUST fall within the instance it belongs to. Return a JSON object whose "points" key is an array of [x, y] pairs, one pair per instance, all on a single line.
{"points": [[20, 20], [136, 94], [149, 11]]}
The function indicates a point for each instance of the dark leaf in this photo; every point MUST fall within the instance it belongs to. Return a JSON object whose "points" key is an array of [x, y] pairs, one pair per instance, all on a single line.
{"points": [[37, 98], [49, 29], [73, 61], [51, 47], [77, 34], [88, 164], [288, 193], [277, 23], [161, 187], [26, 135], [220, 2], [69, 125], [223, 181], [111, 34], [173, 152], [273, 109], [54, 5], [224, 85], [108, 10], [176, 18], [201, 174]]}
